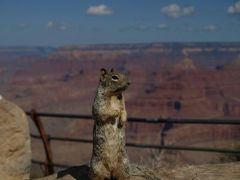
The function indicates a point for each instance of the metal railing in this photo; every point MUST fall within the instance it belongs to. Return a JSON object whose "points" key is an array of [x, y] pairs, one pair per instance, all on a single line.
{"points": [[35, 116]]}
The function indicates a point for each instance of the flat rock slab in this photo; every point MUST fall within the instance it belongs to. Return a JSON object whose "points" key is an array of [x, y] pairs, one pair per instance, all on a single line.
{"points": [[15, 149], [77, 173], [227, 171]]}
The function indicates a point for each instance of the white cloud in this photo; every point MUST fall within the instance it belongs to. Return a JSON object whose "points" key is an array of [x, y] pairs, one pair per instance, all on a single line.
{"points": [[175, 11], [142, 28], [56, 26], [234, 9], [99, 10], [210, 28], [162, 26], [187, 11], [51, 24], [172, 10], [63, 27], [23, 25]]}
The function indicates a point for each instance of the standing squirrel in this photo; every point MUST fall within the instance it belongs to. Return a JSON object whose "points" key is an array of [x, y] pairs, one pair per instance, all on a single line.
{"points": [[109, 157]]}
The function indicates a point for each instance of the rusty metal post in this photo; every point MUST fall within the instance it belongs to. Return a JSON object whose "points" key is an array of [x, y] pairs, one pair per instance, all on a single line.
{"points": [[46, 142]]}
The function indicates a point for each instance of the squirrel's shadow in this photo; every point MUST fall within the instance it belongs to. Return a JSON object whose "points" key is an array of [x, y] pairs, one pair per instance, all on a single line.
{"points": [[77, 172]]}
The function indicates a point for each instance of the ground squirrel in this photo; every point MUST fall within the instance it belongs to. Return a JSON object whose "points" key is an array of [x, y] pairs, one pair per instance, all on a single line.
{"points": [[109, 157]]}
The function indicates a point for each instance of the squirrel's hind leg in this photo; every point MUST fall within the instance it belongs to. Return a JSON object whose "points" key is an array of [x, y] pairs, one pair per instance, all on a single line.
{"points": [[122, 172], [99, 172]]}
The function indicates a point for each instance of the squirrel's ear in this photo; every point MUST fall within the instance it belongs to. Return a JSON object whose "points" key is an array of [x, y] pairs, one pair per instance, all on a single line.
{"points": [[103, 74], [112, 70], [103, 71]]}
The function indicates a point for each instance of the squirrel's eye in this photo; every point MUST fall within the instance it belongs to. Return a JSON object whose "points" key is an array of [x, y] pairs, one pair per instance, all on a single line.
{"points": [[115, 78]]}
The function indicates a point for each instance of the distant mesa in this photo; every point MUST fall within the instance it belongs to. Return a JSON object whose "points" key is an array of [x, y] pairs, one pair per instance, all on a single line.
{"points": [[186, 64]]}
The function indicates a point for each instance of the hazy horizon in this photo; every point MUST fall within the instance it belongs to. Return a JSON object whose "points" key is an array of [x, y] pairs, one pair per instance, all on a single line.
{"points": [[125, 43]]}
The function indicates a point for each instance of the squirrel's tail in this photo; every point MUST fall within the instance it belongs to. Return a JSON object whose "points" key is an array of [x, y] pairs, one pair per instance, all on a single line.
{"points": [[146, 173]]}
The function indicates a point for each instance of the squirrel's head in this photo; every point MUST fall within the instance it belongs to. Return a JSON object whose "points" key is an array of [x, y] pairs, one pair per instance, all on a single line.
{"points": [[113, 82]]}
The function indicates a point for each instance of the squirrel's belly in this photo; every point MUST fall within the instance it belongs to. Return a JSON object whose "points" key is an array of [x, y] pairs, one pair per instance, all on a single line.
{"points": [[113, 145], [110, 140], [113, 138]]}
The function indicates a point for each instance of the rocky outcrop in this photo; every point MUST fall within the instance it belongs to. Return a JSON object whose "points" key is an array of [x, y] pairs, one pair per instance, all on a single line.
{"points": [[15, 150], [207, 172], [81, 173]]}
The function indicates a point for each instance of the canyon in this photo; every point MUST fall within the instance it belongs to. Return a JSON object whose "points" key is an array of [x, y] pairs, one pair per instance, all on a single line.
{"points": [[168, 80]]}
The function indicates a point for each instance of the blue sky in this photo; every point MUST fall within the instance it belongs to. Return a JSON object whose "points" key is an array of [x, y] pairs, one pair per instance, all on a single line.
{"points": [[68, 22]]}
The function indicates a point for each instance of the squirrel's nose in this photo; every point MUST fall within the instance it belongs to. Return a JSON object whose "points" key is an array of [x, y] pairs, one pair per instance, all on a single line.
{"points": [[128, 83]]}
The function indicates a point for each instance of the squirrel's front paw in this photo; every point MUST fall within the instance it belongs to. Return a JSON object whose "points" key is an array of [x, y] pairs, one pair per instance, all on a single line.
{"points": [[120, 124], [123, 119], [123, 116]]}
